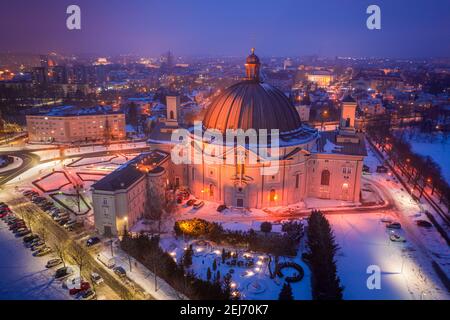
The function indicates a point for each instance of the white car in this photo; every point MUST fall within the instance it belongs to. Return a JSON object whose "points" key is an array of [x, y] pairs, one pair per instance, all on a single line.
{"points": [[96, 278], [70, 223], [73, 282]]}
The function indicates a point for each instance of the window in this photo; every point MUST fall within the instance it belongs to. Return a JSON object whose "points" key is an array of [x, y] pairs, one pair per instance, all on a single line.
{"points": [[105, 201], [171, 115], [325, 178], [297, 180], [211, 190]]}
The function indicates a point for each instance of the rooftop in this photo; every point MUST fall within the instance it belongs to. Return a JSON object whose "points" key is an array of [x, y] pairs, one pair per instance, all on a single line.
{"points": [[71, 111], [327, 143], [130, 172]]}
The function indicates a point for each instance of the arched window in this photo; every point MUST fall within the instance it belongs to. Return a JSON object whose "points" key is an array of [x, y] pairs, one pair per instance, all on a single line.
{"points": [[273, 195], [325, 178], [172, 114]]}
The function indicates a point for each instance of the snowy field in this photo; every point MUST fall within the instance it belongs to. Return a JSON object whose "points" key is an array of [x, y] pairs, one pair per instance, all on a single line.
{"points": [[22, 276]]}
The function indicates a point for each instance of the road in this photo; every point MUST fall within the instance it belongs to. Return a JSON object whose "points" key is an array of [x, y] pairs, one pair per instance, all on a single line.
{"points": [[29, 160]]}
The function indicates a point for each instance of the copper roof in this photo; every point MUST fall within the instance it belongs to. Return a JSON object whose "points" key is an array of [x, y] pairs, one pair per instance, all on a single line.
{"points": [[252, 105]]}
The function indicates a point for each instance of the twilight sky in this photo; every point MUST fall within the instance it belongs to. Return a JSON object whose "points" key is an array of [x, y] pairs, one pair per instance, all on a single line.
{"points": [[410, 28]]}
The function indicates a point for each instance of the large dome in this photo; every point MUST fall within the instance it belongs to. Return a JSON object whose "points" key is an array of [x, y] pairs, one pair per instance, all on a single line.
{"points": [[252, 105]]}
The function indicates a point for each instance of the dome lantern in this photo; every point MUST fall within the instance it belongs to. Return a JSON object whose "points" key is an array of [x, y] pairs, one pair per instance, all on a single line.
{"points": [[252, 66]]}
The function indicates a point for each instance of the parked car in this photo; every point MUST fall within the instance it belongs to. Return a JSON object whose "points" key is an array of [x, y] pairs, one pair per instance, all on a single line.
{"points": [[190, 202], [73, 282], [32, 243], [96, 278], [221, 207], [120, 271], [63, 272], [63, 221], [3, 214], [394, 225], [37, 245], [70, 223], [382, 169], [53, 263], [14, 220], [83, 287], [88, 295], [16, 224], [42, 252], [30, 238], [92, 241], [198, 204], [108, 261], [396, 238], [61, 217], [424, 223], [22, 233], [18, 227]]}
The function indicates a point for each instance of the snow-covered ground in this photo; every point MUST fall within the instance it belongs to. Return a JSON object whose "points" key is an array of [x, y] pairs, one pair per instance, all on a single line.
{"points": [[437, 146], [364, 241], [22, 276], [253, 283]]}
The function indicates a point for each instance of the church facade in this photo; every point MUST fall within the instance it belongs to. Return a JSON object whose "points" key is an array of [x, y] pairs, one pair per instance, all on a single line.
{"points": [[325, 165]]}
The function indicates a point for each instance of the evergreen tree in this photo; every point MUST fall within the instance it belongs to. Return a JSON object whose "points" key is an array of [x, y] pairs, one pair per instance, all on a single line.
{"points": [[325, 282], [224, 255], [187, 258], [218, 276], [208, 274], [286, 292]]}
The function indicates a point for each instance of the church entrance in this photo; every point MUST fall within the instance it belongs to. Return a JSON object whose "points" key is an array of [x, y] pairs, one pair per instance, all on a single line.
{"points": [[240, 203], [345, 191]]}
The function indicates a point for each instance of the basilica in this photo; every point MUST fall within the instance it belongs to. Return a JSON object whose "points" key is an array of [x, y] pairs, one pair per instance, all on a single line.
{"points": [[325, 165]]}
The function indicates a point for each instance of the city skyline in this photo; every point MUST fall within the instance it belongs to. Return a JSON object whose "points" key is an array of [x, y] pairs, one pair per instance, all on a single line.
{"points": [[287, 28]]}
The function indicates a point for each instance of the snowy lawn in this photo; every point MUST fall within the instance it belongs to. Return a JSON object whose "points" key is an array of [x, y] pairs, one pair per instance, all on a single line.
{"points": [[52, 182]]}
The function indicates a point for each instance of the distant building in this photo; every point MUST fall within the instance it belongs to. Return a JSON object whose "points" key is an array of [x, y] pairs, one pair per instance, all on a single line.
{"points": [[322, 78], [143, 104], [371, 107], [68, 124], [288, 64], [304, 109]]}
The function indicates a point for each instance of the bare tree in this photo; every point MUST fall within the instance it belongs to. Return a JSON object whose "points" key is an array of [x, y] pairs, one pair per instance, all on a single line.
{"points": [[42, 231], [29, 217], [60, 249], [79, 255]]}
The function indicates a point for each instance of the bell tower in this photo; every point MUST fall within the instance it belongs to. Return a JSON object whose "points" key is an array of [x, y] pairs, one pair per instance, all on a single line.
{"points": [[173, 105], [347, 132], [348, 112]]}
